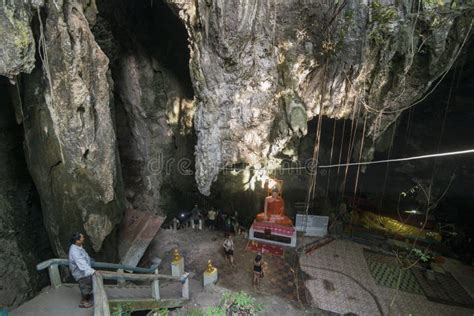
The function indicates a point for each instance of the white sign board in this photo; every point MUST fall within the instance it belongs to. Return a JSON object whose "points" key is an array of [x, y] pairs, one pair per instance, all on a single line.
{"points": [[315, 225]]}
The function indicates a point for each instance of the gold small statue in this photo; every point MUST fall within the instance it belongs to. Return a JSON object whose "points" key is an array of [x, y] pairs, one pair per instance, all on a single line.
{"points": [[210, 268], [176, 255]]}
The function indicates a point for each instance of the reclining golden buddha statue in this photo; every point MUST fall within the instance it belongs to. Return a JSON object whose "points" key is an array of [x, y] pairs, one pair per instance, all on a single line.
{"points": [[274, 210]]}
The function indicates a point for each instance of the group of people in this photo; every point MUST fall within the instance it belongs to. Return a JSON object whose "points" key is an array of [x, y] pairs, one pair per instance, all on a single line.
{"points": [[259, 265], [223, 221], [214, 219]]}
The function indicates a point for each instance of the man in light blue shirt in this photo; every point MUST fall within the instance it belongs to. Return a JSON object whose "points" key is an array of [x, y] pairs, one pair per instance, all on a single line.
{"points": [[80, 267]]}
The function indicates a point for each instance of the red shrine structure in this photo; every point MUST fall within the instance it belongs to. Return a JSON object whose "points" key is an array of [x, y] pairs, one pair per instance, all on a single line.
{"points": [[272, 225]]}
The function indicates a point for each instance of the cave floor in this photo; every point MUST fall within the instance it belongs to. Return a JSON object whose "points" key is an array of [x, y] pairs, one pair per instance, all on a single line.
{"points": [[54, 302], [340, 281], [337, 279], [278, 287]]}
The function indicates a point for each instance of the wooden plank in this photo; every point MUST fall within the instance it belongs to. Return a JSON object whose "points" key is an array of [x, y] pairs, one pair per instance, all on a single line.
{"points": [[136, 232], [101, 303]]}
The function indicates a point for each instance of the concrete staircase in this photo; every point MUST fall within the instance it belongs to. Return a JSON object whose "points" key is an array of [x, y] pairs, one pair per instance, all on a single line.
{"points": [[144, 289]]}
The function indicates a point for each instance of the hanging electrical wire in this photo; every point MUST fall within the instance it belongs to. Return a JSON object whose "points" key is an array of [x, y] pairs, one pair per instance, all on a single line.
{"points": [[387, 167], [340, 155], [355, 122], [358, 168], [445, 72], [407, 133], [330, 161], [312, 181]]}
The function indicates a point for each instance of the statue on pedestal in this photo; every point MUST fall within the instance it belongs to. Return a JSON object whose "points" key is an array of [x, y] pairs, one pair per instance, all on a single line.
{"points": [[274, 209]]}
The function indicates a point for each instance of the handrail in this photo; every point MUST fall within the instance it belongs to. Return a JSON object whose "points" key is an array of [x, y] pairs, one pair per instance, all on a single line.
{"points": [[141, 277], [101, 305], [99, 265]]}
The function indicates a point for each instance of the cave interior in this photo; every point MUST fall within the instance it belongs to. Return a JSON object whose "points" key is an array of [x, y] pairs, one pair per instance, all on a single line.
{"points": [[148, 48]]}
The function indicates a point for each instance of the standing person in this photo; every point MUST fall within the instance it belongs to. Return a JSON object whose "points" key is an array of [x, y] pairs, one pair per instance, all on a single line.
{"points": [[229, 249], [227, 225], [218, 219], [258, 264], [221, 219], [176, 223], [211, 216], [235, 223], [81, 270], [195, 213]]}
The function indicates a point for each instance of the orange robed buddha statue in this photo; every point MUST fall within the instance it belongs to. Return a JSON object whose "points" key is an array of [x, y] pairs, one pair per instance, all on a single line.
{"points": [[274, 211]]}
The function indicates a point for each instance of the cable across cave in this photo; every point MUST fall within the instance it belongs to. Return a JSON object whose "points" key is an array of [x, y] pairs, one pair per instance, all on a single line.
{"points": [[451, 153]]}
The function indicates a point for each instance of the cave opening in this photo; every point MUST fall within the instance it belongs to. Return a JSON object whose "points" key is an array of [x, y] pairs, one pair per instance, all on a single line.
{"points": [[147, 45]]}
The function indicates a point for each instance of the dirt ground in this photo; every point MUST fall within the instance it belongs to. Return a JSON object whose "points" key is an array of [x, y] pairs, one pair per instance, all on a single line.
{"points": [[278, 291]]}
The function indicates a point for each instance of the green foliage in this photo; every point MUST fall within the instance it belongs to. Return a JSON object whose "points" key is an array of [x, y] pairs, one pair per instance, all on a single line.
{"points": [[424, 256], [241, 301], [215, 311], [433, 3], [207, 311], [195, 312], [22, 33], [163, 312], [334, 41], [349, 15], [382, 15], [124, 309], [344, 29]]}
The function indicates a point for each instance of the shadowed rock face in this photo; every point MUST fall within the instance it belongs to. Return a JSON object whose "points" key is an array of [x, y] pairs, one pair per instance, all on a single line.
{"points": [[261, 69], [69, 131], [23, 239], [154, 100]]}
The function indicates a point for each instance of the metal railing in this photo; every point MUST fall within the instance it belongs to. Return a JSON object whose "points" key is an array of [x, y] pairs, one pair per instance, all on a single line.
{"points": [[101, 302]]}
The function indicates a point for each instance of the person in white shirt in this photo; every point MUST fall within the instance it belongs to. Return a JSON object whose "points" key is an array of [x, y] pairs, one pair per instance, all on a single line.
{"points": [[81, 270], [211, 216], [229, 249]]}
